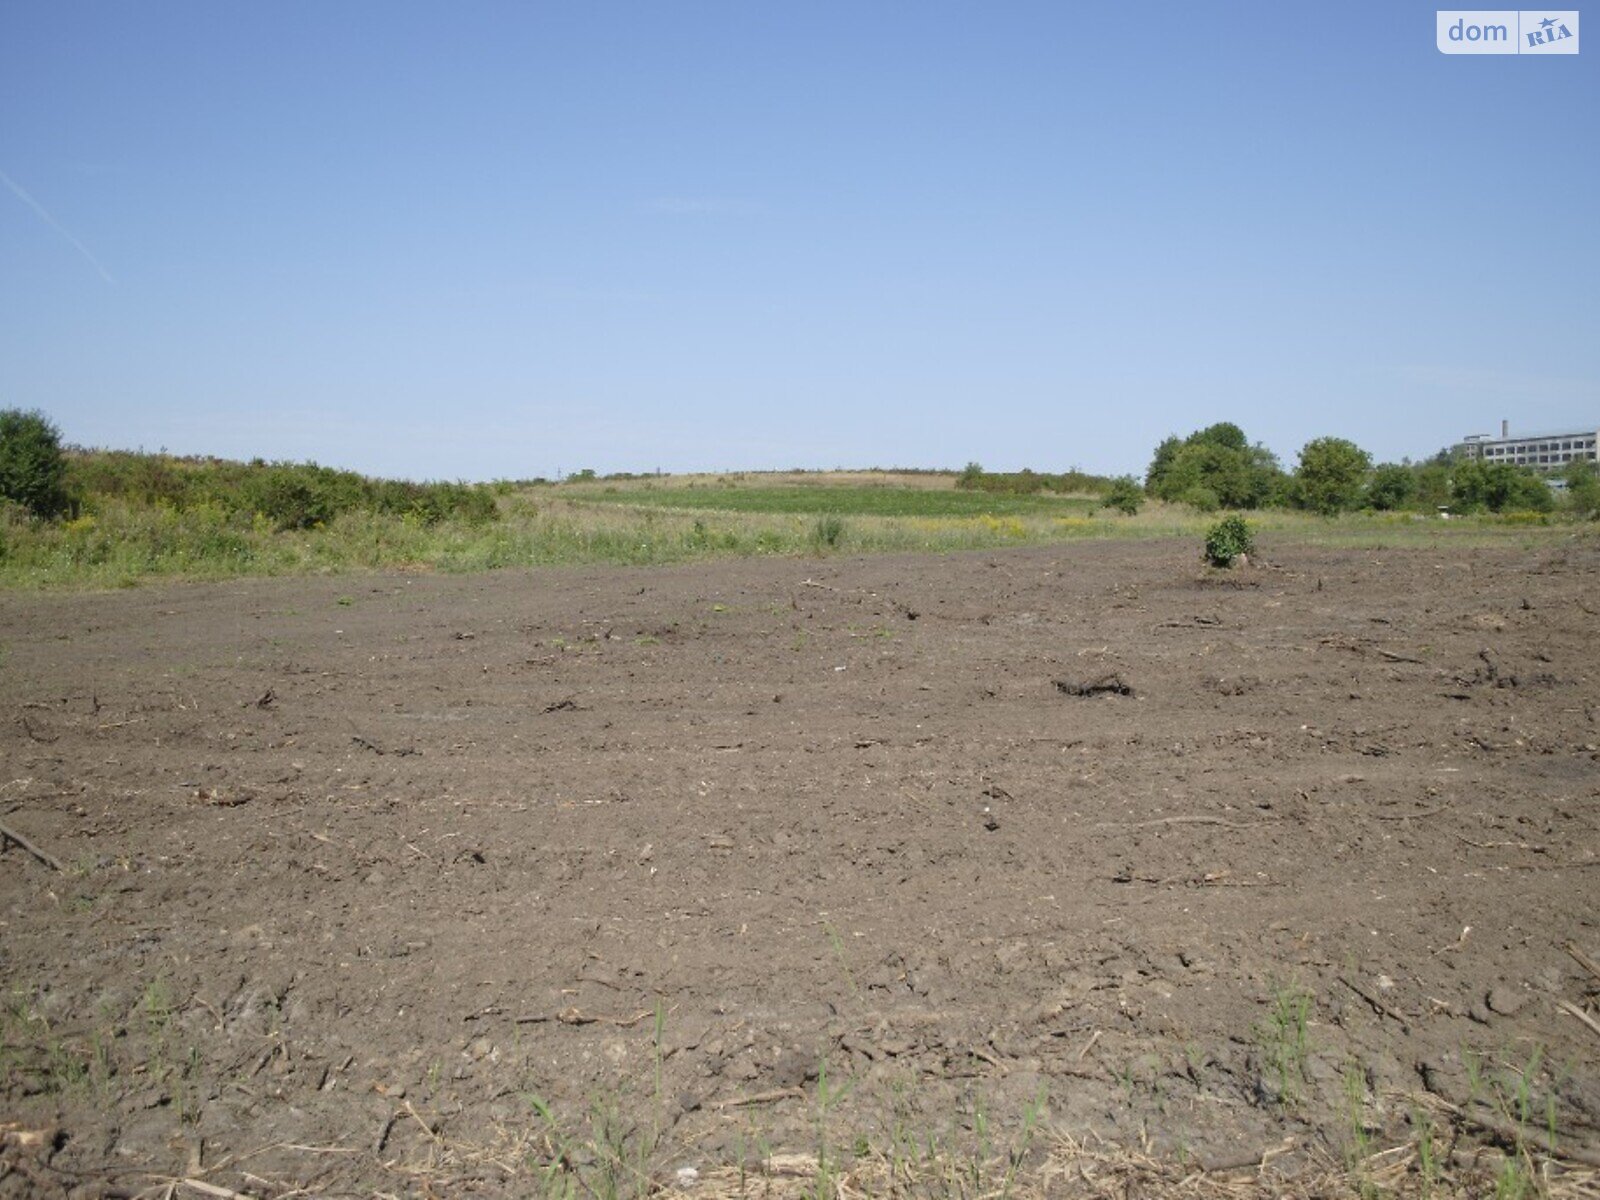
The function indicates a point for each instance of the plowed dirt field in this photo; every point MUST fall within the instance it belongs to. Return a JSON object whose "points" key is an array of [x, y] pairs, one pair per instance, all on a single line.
{"points": [[356, 870]]}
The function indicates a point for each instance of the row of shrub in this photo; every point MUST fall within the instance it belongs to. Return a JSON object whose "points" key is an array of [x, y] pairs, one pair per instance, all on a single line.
{"points": [[50, 481], [1027, 482], [290, 495]]}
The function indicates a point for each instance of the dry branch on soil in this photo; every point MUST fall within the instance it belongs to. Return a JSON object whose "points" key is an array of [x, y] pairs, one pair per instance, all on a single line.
{"points": [[7, 834]]}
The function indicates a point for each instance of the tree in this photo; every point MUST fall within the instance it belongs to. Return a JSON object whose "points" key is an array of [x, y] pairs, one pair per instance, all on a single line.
{"points": [[1469, 485], [1392, 486], [1217, 463], [33, 470], [1498, 487], [1224, 433], [1330, 475], [1161, 464], [1238, 478], [1583, 488], [1530, 493], [1433, 485]]}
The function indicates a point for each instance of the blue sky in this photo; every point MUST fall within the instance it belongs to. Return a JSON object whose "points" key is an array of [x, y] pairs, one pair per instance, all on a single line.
{"points": [[480, 240]]}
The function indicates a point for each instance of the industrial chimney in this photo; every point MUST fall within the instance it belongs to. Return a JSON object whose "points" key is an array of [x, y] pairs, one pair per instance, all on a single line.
{"points": [[1505, 430]]}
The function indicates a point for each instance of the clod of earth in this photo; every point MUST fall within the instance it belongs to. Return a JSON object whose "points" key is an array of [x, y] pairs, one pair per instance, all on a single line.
{"points": [[1102, 685]]}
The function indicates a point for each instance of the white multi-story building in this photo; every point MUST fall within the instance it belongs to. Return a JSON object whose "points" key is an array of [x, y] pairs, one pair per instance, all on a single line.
{"points": [[1541, 451]]}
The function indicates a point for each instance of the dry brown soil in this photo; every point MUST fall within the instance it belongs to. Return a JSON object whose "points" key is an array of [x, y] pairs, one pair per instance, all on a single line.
{"points": [[357, 867]]}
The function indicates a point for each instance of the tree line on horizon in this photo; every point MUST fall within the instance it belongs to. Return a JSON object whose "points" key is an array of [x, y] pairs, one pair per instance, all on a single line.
{"points": [[1213, 468], [1218, 467]]}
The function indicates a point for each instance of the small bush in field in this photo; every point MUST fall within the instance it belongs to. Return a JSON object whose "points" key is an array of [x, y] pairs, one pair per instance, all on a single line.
{"points": [[32, 467], [1124, 495], [287, 499], [1229, 539]]}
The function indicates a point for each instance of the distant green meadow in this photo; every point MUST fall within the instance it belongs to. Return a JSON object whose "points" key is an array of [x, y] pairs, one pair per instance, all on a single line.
{"points": [[844, 501], [141, 518]]}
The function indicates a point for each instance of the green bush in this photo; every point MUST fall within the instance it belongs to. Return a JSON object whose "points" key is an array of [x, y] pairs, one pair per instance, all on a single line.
{"points": [[287, 498], [150, 479], [464, 502], [33, 469], [1583, 489], [1228, 539], [1201, 499], [1125, 495], [431, 503]]}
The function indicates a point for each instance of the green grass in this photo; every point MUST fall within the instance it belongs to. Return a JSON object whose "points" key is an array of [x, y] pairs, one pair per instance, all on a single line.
{"points": [[843, 501], [867, 1138], [1284, 1041], [122, 540]]}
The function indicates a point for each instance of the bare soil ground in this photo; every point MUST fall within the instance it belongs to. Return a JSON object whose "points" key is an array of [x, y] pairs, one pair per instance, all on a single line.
{"points": [[354, 868]]}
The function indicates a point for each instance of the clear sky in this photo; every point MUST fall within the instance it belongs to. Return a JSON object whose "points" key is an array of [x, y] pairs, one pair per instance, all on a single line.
{"points": [[475, 240]]}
